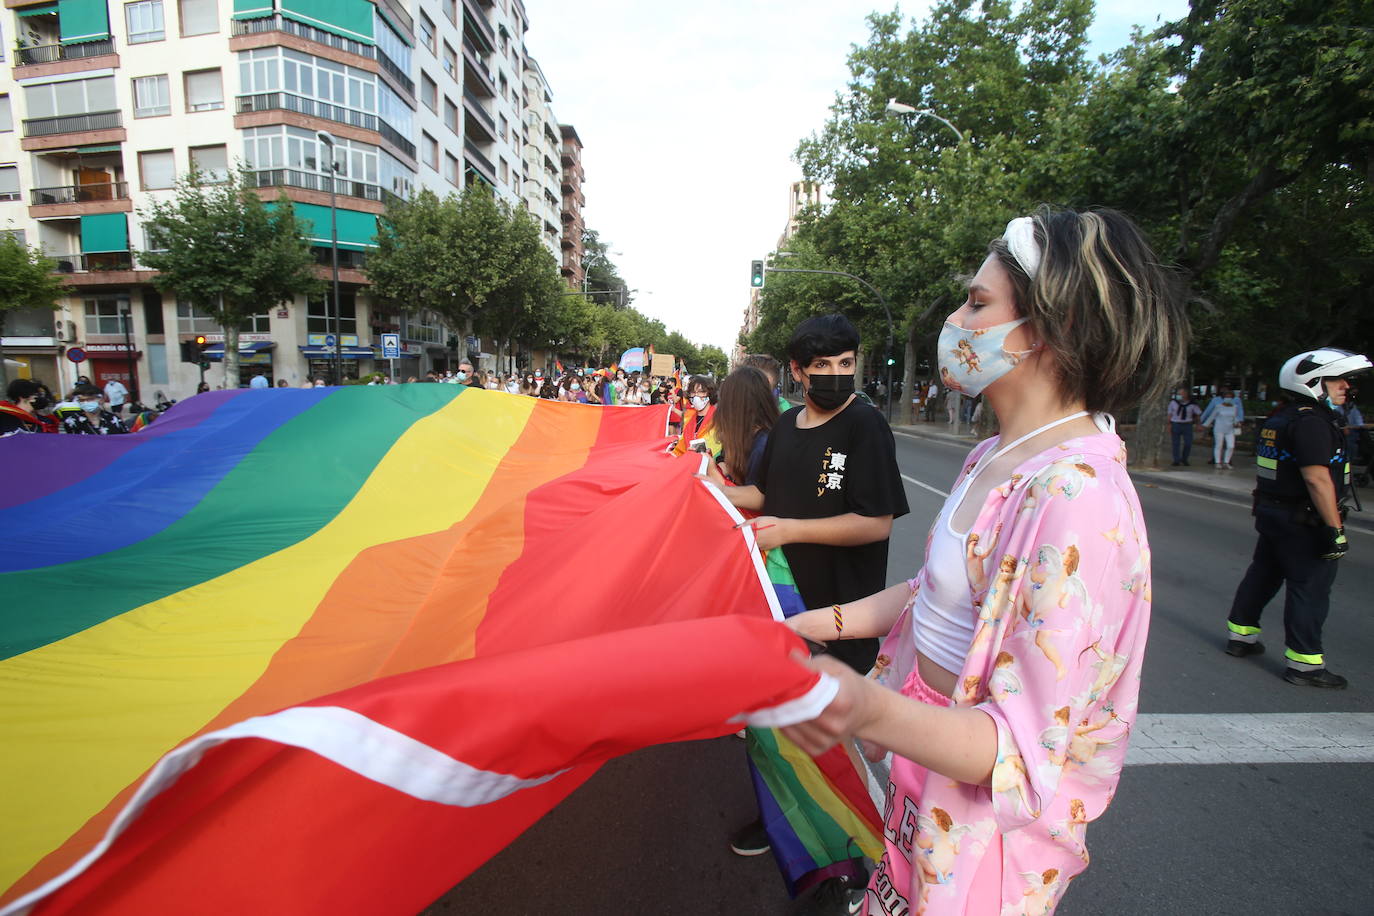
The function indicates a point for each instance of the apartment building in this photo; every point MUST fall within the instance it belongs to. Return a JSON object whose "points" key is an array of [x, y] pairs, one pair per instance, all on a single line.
{"points": [[573, 201], [104, 104], [801, 195]]}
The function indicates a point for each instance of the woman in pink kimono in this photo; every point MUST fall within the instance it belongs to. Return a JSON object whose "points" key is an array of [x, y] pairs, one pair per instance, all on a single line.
{"points": [[1006, 688]]}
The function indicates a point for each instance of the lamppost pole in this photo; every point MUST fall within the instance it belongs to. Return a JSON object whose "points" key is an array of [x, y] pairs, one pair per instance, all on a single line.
{"points": [[887, 313], [328, 139]]}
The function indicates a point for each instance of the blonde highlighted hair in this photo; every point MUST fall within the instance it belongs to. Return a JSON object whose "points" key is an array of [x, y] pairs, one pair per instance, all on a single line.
{"points": [[1109, 314]]}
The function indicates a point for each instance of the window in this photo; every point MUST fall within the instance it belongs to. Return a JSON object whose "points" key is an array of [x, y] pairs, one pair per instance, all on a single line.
{"points": [[152, 311], [285, 147], [151, 96], [6, 113], [9, 182], [157, 363], [72, 97], [157, 168], [451, 10], [144, 20], [504, 170], [211, 161], [450, 114], [390, 44], [103, 315], [256, 324], [429, 92], [319, 314], [431, 148], [198, 17], [451, 61], [504, 127], [191, 320], [427, 32], [452, 171], [203, 91]]}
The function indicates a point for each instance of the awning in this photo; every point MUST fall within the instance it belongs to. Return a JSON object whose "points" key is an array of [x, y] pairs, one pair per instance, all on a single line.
{"points": [[215, 351], [346, 18], [356, 229], [345, 352], [41, 9], [103, 232], [83, 20]]}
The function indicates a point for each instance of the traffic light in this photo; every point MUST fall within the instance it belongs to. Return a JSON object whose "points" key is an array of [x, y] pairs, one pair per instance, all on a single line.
{"points": [[891, 361], [756, 274], [190, 353], [200, 352]]}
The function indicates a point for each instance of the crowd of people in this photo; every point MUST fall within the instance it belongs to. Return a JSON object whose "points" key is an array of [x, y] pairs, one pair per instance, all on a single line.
{"points": [[30, 407]]}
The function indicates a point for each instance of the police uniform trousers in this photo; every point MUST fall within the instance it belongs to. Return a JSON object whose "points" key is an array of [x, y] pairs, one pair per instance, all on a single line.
{"points": [[1288, 553]]}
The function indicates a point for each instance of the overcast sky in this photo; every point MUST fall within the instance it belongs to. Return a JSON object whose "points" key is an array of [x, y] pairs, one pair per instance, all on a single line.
{"points": [[690, 112]]}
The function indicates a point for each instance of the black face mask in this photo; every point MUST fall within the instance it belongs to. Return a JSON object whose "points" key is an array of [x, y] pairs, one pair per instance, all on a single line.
{"points": [[40, 402], [828, 392]]}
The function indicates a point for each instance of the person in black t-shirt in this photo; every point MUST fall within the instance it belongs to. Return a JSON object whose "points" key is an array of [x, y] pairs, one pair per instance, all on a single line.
{"points": [[830, 486]]}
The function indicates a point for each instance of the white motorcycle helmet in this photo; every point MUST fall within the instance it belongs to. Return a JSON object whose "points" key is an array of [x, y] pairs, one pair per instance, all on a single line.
{"points": [[1303, 374]]}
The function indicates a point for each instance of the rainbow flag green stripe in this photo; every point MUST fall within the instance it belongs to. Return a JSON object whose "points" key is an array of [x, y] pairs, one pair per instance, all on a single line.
{"points": [[346, 431]]}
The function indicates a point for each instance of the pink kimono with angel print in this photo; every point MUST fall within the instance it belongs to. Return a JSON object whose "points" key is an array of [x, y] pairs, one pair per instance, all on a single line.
{"points": [[1059, 570]]}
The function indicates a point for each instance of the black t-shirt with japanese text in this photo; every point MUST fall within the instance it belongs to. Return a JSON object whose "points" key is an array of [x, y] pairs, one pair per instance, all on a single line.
{"points": [[847, 464]]}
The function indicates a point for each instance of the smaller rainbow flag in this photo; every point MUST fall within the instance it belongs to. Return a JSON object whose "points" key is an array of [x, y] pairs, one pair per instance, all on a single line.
{"points": [[817, 811]]}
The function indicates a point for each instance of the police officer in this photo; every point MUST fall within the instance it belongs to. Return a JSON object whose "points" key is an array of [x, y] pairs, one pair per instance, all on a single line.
{"points": [[1303, 476]]}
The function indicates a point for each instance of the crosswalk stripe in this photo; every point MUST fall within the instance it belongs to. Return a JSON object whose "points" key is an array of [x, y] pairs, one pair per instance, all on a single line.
{"points": [[1239, 738]]}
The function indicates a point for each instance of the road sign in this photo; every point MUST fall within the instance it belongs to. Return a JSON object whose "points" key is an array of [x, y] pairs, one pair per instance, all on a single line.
{"points": [[330, 340], [76, 354], [391, 346]]}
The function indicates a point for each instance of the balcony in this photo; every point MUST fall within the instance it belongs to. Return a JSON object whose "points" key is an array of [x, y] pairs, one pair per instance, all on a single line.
{"points": [[393, 136], [286, 101], [475, 20], [475, 105], [93, 263], [312, 181], [475, 71], [79, 193], [71, 124], [475, 156], [51, 54], [309, 33], [394, 70]]}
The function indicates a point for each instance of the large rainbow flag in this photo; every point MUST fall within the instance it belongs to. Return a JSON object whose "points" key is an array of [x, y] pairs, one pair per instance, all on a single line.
{"points": [[328, 650]]}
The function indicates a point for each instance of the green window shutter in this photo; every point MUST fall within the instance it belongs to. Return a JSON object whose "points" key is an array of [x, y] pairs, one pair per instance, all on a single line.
{"points": [[83, 20], [347, 18], [102, 232], [356, 229]]}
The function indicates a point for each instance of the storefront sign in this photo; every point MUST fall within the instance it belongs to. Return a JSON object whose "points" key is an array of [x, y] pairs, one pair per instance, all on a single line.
{"points": [[101, 349], [243, 338], [327, 340], [283, 313]]}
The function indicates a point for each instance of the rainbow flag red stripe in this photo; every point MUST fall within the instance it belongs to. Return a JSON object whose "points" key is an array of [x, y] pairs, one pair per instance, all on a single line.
{"points": [[352, 626]]}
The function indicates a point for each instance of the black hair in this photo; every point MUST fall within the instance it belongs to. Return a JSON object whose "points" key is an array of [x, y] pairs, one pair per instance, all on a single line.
{"points": [[85, 391], [822, 335], [22, 388]]}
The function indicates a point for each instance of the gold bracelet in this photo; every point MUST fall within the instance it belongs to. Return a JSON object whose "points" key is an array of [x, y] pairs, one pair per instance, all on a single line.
{"points": [[839, 620]]}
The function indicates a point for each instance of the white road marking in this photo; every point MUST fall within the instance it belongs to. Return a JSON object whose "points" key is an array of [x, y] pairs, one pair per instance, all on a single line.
{"points": [[925, 486], [1240, 738]]}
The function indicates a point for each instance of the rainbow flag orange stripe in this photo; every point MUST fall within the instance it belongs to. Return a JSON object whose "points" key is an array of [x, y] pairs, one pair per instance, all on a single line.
{"points": [[338, 617]]}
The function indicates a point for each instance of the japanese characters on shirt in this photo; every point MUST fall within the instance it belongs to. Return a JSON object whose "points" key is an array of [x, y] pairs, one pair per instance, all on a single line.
{"points": [[831, 476]]}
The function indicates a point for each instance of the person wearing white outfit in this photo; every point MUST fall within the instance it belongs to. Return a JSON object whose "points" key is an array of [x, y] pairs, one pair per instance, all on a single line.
{"points": [[1224, 415]]}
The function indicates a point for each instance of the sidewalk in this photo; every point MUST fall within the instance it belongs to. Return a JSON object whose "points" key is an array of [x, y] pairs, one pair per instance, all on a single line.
{"points": [[1201, 478]]}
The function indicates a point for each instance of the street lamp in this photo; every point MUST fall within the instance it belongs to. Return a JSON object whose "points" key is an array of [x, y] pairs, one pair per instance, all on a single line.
{"points": [[896, 107], [328, 139]]}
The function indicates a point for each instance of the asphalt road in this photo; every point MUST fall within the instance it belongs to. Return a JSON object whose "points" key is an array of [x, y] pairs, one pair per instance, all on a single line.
{"points": [[648, 834]]}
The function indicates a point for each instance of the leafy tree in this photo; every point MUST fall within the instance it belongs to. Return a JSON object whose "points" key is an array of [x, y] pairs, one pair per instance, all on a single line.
{"points": [[27, 281], [528, 303], [602, 276], [220, 246], [449, 256]]}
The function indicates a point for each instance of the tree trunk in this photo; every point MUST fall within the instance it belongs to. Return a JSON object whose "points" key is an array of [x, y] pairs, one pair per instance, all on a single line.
{"points": [[1148, 447], [908, 379], [231, 357], [4, 370]]}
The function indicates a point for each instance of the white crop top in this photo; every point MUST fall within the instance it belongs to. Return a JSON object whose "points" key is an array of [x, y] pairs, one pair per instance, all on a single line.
{"points": [[942, 617]]}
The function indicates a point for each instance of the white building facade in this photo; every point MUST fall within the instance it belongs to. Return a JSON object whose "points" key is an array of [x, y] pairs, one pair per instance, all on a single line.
{"points": [[104, 104]]}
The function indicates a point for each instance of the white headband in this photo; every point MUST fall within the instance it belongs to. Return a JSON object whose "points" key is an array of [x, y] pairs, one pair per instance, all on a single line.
{"points": [[1020, 238]]}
